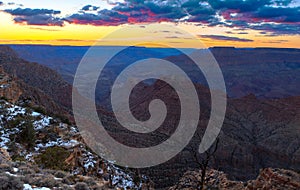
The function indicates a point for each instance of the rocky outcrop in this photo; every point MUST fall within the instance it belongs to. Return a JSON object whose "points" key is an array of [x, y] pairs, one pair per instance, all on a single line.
{"points": [[268, 178], [9, 87], [4, 156]]}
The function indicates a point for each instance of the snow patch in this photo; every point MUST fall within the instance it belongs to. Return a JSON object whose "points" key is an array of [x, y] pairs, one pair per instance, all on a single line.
{"points": [[29, 187]]}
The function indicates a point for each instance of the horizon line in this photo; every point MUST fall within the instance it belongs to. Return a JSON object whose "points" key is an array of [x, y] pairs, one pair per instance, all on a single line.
{"points": [[158, 47]]}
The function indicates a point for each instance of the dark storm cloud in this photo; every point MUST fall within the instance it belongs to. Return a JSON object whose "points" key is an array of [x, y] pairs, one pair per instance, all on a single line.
{"points": [[197, 8], [31, 12], [241, 5], [225, 38], [277, 17], [104, 17], [47, 20], [141, 11], [272, 16], [279, 14], [90, 8], [150, 11], [275, 20], [36, 16], [278, 29]]}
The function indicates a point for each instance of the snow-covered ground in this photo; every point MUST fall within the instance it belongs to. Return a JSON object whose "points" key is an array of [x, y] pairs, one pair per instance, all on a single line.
{"points": [[29, 187], [11, 112], [41, 122]]}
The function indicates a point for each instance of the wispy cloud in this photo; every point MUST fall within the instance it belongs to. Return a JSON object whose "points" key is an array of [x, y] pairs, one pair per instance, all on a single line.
{"points": [[44, 29], [226, 38]]}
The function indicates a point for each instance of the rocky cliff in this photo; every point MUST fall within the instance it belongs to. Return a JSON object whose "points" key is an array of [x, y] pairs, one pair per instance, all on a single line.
{"points": [[268, 178], [9, 87], [33, 83], [256, 134]]}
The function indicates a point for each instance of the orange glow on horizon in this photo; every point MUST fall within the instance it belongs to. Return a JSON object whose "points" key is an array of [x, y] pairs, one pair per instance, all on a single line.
{"points": [[87, 35]]}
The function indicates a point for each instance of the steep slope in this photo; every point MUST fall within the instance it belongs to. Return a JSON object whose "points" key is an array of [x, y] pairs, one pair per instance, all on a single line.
{"points": [[15, 90], [34, 84], [42, 151], [9, 87], [256, 134], [38, 77], [41, 142]]}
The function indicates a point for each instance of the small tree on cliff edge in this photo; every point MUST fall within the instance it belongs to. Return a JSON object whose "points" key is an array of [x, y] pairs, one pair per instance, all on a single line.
{"points": [[203, 161]]}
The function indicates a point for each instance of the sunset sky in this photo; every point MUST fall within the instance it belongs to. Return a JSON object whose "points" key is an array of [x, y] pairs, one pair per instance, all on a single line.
{"points": [[239, 23]]}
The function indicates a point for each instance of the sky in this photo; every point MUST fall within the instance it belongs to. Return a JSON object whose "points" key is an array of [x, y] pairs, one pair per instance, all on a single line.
{"points": [[239, 23]]}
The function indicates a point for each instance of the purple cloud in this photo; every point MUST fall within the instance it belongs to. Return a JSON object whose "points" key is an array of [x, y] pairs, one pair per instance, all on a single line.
{"points": [[226, 38], [103, 18], [278, 17]]}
